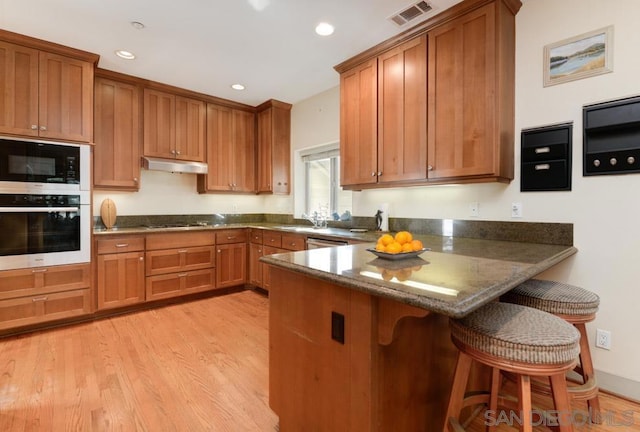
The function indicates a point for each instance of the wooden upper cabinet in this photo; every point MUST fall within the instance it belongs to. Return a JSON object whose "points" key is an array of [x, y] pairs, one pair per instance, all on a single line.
{"points": [[117, 135], [174, 126], [231, 150], [358, 127], [274, 147], [402, 112], [471, 96], [190, 129], [45, 95]]}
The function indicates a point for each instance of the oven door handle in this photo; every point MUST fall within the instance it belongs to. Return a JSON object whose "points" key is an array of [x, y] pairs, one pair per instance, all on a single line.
{"points": [[38, 209]]}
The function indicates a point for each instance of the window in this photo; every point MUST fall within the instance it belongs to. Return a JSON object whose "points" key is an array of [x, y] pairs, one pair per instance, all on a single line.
{"points": [[322, 185]]}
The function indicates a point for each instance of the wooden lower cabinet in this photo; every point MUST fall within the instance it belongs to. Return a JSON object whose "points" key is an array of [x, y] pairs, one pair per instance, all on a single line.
{"points": [[176, 284], [179, 263], [37, 295], [231, 261], [120, 271], [255, 266]]}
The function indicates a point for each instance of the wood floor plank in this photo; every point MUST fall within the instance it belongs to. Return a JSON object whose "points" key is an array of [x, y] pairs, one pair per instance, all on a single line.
{"points": [[197, 366]]}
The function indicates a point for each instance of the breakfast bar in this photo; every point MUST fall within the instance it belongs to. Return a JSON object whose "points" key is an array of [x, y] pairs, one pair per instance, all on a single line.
{"points": [[361, 343]]}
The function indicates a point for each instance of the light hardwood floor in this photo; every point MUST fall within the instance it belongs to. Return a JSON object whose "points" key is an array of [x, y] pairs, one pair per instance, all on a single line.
{"points": [[197, 366]]}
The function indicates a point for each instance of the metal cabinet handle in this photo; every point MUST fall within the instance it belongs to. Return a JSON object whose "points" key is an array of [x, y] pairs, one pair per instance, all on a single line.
{"points": [[141, 258], [43, 128], [542, 150], [541, 167], [231, 237], [182, 251], [135, 179], [178, 152], [430, 167], [379, 173], [183, 275], [121, 245], [39, 270], [39, 299], [34, 127]]}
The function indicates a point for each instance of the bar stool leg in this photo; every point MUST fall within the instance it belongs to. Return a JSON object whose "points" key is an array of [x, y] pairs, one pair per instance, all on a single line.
{"points": [[463, 368], [524, 402], [496, 378], [586, 365], [561, 401]]}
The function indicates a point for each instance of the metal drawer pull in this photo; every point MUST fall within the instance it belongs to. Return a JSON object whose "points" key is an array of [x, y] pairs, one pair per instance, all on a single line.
{"points": [[542, 150], [230, 237], [541, 167], [182, 251], [122, 245], [183, 275], [38, 271], [39, 299]]}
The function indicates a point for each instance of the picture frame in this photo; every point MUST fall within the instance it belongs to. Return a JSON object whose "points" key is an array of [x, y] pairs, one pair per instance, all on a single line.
{"points": [[578, 57]]}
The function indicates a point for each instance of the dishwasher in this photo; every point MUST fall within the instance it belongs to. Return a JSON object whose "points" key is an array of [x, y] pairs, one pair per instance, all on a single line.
{"points": [[317, 243]]}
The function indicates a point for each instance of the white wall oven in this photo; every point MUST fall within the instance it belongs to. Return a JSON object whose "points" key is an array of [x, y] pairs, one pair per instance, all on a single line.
{"points": [[45, 216]]}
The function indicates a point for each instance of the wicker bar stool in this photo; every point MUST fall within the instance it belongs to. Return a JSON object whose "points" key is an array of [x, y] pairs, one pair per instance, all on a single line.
{"points": [[577, 306], [524, 341]]}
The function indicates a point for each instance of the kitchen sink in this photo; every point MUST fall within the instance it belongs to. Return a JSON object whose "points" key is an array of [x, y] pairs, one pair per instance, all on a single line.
{"points": [[305, 229]]}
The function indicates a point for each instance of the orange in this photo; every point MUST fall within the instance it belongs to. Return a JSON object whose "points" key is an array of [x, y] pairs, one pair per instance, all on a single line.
{"points": [[380, 247], [385, 239], [403, 237], [407, 247], [393, 248], [416, 245]]}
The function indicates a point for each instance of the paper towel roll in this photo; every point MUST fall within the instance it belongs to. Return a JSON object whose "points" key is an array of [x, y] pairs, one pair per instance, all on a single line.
{"points": [[384, 224]]}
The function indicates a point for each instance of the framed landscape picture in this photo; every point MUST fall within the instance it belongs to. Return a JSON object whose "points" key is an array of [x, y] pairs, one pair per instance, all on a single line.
{"points": [[582, 56]]}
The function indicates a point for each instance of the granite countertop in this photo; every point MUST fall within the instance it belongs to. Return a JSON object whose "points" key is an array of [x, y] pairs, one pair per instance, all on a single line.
{"points": [[339, 233], [456, 277]]}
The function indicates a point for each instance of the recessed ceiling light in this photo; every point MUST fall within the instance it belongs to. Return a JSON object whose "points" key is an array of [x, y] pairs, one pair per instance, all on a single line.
{"points": [[237, 86], [324, 29], [127, 55]]}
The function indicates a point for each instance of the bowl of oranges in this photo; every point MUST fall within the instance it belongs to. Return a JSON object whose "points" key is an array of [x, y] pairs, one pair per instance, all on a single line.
{"points": [[400, 246]]}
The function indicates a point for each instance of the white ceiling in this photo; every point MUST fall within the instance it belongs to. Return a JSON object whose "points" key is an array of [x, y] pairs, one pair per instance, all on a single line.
{"points": [[206, 45]]}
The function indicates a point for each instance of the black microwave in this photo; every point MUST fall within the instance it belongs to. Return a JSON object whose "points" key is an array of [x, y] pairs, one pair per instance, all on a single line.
{"points": [[27, 165]]}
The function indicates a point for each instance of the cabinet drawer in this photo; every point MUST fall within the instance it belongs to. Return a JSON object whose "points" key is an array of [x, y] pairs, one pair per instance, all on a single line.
{"points": [[272, 238], [542, 176], [120, 244], [256, 236], [46, 307], [177, 284], [294, 242], [42, 280], [231, 236], [180, 240], [174, 260]]}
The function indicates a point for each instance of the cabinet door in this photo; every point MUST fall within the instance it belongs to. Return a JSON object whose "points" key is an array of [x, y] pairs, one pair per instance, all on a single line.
{"points": [[159, 124], [116, 158], [42, 308], [402, 112], [65, 98], [174, 260], [462, 105], [244, 162], [274, 148], [255, 266], [220, 153], [231, 265], [18, 90], [265, 152], [120, 279], [190, 123], [266, 269], [358, 127]]}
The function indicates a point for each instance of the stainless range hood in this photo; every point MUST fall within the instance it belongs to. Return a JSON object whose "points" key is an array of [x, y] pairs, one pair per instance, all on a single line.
{"points": [[173, 165]]}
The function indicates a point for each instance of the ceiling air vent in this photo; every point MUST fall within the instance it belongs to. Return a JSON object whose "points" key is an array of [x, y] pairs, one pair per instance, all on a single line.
{"points": [[410, 13]]}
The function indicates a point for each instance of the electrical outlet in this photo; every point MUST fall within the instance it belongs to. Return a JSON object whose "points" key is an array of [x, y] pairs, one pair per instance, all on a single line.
{"points": [[516, 210], [603, 339], [474, 209]]}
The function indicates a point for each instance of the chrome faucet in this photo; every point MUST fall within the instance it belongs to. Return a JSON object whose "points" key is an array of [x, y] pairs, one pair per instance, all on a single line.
{"points": [[318, 219]]}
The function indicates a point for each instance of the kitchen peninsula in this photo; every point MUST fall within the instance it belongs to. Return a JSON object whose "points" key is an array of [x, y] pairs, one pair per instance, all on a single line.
{"points": [[359, 343]]}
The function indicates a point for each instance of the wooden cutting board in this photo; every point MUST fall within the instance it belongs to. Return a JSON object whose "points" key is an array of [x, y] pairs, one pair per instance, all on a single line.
{"points": [[108, 213]]}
